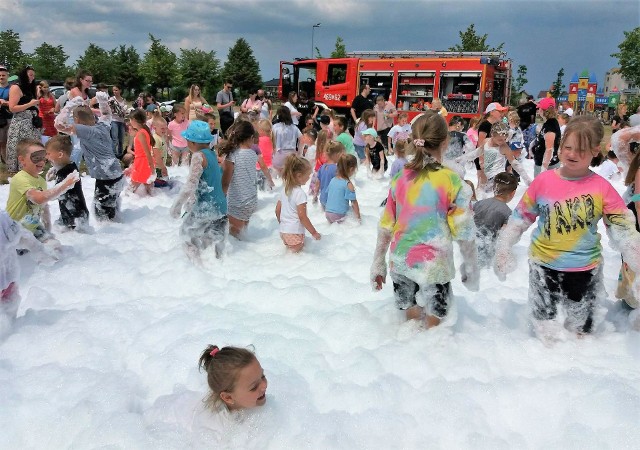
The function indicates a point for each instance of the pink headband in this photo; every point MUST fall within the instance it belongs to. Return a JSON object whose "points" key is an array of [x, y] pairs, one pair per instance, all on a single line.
{"points": [[214, 351]]}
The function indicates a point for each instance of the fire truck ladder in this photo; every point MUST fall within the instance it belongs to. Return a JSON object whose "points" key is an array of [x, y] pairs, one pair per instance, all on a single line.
{"points": [[422, 54]]}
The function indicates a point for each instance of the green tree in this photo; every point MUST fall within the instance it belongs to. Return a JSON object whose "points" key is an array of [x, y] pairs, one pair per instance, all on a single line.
{"points": [[158, 67], [126, 66], [470, 41], [11, 54], [49, 62], [202, 68], [340, 50], [518, 84], [97, 61], [629, 56], [558, 85], [242, 68]]}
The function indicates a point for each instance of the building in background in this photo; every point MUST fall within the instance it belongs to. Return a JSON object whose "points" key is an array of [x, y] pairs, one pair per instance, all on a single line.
{"points": [[615, 83]]}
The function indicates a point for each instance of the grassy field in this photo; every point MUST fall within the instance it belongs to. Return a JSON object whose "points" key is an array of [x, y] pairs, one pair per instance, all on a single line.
{"points": [[3, 168]]}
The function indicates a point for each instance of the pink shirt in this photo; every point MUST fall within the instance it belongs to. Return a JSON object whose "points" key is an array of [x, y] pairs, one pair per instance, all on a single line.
{"points": [[176, 129], [266, 147]]}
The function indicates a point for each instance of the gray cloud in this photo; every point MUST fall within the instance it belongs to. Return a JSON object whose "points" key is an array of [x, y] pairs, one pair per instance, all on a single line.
{"points": [[543, 35]]}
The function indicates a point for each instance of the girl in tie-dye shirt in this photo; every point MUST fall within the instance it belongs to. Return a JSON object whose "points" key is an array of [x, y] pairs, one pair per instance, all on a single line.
{"points": [[427, 208], [565, 253]]}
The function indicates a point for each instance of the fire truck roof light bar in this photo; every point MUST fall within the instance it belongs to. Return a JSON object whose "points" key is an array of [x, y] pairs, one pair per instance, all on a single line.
{"points": [[421, 54]]}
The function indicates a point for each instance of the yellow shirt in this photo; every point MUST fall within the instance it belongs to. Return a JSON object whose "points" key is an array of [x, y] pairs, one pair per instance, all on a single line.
{"points": [[18, 207]]}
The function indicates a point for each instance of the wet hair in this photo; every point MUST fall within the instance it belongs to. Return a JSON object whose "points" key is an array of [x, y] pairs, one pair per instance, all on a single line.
{"points": [[505, 183], [401, 147], [366, 115], [210, 116], [141, 117], [60, 143], [294, 165], [83, 115], [499, 128], [334, 149], [345, 165], [179, 107], [588, 132], [321, 144], [513, 116], [24, 145], [239, 132], [432, 129], [341, 121], [265, 125], [284, 115], [473, 189], [222, 369], [27, 87]]}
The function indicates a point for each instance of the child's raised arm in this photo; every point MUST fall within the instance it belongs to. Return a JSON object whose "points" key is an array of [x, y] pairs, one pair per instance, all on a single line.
{"points": [[42, 197], [354, 201], [188, 191], [105, 109]]}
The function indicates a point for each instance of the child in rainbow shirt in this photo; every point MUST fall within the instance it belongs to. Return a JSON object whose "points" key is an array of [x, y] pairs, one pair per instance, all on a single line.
{"points": [[427, 208], [565, 261]]}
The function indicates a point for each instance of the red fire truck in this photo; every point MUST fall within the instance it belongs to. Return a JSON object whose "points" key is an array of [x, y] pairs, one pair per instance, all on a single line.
{"points": [[465, 82]]}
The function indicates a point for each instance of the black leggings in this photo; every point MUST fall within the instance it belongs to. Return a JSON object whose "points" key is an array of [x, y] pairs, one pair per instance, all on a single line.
{"points": [[576, 290], [106, 198], [438, 295]]}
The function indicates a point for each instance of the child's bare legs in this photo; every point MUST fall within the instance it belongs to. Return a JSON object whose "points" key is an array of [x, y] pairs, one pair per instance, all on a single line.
{"points": [[414, 313], [237, 226], [159, 160], [175, 158], [193, 253]]}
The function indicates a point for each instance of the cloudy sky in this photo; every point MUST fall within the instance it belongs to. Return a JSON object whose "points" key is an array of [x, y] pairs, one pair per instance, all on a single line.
{"points": [[543, 35]]}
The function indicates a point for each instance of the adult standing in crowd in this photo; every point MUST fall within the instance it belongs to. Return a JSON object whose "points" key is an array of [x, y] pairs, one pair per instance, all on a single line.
{"points": [[23, 104], [307, 108], [567, 109], [527, 113], [252, 105], [194, 103], [225, 102], [361, 102], [84, 80], [385, 113], [291, 104], [5, 114], [47, 106], [545, 155], [620, 117], [62, 100], [265, 112], [118, 107]]}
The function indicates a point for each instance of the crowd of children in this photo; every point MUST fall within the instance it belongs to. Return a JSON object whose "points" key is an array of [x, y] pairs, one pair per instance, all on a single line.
{"points": [[429, 205]]}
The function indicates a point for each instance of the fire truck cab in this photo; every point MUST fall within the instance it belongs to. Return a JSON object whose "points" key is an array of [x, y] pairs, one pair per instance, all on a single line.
{"points": [[465, 82]]}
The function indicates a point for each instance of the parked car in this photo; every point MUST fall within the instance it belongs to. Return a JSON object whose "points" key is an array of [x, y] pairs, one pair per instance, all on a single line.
{"points": [[56, 91], [168, 105]]}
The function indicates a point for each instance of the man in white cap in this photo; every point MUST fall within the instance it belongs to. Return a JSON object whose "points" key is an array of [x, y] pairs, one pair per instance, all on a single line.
{"points": [[566, 108]]}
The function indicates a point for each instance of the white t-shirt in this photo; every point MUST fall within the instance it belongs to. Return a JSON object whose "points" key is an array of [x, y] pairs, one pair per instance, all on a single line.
{"points": [[286, 136], [607, 169], [399, 132], [289, 219], [292, 109], [494, 161], [310, 155]]}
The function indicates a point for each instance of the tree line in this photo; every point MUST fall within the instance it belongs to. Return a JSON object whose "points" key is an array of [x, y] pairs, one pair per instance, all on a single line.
{"points": [[159, 70]]}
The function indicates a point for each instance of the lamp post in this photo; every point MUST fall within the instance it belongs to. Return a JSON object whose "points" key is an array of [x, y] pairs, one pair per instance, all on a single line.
{"points": [[313, 29]]}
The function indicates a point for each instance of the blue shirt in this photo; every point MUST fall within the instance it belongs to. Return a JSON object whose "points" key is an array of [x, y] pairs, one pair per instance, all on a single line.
{"points": [[325, 174], [338, 196], [210, 200]]}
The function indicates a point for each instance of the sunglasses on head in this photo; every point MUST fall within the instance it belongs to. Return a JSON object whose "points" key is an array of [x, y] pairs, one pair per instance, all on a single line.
{"points": [[38, 156]]}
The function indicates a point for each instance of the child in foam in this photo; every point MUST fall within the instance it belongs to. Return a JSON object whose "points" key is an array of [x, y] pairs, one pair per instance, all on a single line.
{"points": [[375, 152], [179, 148], [14, 236], [341, 191], [236, 380], [205, 221], [427, 208], [239, 175], [328, 170], [291, 209], [565, 261], [97, 148], [28, 193], [144, 168]]}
